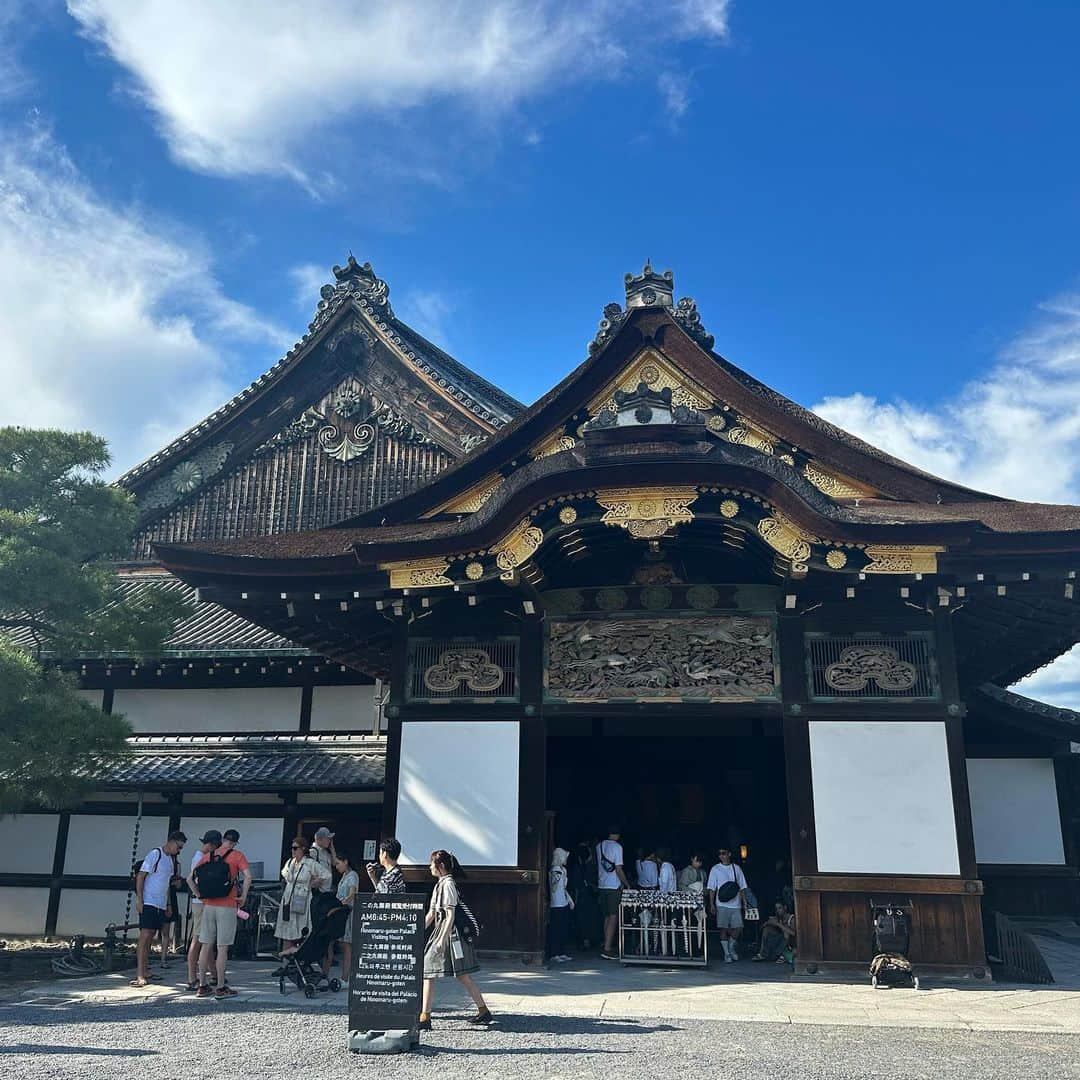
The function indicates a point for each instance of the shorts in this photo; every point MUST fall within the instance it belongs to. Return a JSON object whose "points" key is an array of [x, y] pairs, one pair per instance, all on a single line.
{"points": [[196, 920], [728, 918], [608, 899], [152, 918], [218, 925]]}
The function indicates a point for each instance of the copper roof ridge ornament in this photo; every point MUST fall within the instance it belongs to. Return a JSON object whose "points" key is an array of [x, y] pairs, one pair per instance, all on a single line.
{"points": [[354, 279], [651, 289]]}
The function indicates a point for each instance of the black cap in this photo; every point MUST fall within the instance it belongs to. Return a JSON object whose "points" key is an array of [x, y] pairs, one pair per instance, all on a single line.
{"points": [[211, 836], [232, 834]]}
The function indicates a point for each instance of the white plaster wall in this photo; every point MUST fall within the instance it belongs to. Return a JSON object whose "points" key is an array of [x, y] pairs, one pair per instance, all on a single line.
{"points": [[101, 844], [882, 798], [33, 836], [260, 839], [93, 697], [342, 708], [89, 911], [271, 708], [458, 790], [1014, 811], [23, 910]]}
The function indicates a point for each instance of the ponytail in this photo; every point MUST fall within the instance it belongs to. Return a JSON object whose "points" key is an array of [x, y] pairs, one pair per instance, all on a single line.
{"points": [[447, 862]]}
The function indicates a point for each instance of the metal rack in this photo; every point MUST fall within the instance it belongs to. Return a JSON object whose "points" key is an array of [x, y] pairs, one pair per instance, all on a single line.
{"points": [[667, 929]]}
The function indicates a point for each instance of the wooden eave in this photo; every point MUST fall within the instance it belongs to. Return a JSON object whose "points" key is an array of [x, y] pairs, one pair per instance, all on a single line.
{"points": [[324, 553]]}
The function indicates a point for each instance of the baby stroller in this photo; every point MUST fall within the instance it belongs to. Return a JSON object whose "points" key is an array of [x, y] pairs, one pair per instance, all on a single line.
{"points": [[304, 967], [892, 938]]}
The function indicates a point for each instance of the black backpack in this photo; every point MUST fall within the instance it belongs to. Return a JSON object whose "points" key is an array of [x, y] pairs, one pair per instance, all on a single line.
{"points": [[466, 923], [136, 866], [214, 878]]}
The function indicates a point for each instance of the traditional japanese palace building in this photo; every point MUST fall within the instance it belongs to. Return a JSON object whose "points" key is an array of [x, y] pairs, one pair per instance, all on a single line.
{"points": [[664, 594]]}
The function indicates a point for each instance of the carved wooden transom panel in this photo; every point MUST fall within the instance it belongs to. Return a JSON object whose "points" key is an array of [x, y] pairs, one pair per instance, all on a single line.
{"points": [[721, 658]]}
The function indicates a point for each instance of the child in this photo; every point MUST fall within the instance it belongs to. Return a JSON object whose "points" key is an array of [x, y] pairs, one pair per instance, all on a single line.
{"points": [[561, 906]]}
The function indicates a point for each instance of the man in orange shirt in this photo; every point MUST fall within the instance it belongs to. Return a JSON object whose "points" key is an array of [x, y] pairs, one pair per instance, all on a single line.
{"points": [[218, 927]]}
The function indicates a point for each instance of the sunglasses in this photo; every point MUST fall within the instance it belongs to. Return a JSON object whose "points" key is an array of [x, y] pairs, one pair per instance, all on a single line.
{"points": [[298, 847]]}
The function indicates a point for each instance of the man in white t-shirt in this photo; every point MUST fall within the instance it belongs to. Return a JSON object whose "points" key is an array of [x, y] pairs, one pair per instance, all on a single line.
{"points": [[728, 908], [152, 899], [209, 842], [610, 881]]}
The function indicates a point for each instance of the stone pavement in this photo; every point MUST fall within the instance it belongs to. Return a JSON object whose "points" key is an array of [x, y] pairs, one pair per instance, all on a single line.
{"points": [[743, 992]]}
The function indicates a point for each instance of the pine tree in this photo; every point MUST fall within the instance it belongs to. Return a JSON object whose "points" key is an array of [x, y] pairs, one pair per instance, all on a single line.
{"points": [[62, 528]]}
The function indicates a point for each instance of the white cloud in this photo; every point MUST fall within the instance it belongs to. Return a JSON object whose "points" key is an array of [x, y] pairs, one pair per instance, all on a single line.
{"points": [[427, 311], [308, 279], [1015, 432], [674, 89], [1024, 411], [243, 91], [110, 321]]}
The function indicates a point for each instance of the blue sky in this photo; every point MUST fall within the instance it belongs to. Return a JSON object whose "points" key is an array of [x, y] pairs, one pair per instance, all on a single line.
{"points": [[877, 207]]}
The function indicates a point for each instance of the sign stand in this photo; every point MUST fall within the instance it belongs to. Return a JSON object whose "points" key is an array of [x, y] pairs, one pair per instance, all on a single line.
{"points": [[387, 977]]}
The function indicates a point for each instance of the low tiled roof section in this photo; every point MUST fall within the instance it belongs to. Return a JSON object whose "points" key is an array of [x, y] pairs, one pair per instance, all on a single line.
{"points": [[327, 762], [1054, 713], [209, 630]]}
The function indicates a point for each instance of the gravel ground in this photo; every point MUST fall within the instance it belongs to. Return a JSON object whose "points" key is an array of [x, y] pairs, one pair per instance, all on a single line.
{"points": [[187, 1038]]}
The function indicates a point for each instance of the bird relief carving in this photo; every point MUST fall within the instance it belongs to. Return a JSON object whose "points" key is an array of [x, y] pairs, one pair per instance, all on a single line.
{"points": [[725, 657]]}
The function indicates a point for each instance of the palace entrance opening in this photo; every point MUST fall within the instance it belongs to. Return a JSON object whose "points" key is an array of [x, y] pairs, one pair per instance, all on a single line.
{"points": [[685, 784]]}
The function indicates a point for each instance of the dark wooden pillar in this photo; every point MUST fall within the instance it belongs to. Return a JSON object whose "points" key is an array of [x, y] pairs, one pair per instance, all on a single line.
{"points": [[52, 913]]}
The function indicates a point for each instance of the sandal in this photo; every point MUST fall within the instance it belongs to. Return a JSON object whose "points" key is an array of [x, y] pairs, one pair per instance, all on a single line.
{"points": [[225, 991], [138, 983], [191, 987]]}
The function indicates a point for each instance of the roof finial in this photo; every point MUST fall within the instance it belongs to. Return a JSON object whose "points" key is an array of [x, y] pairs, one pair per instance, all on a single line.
{"points": [[649, 289]]}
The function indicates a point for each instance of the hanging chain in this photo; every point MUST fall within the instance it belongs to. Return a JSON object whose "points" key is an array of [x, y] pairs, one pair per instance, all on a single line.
{"points": [[134, 856]]}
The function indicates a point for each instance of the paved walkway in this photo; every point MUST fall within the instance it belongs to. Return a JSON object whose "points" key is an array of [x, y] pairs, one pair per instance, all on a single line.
{"points": [[743, 992]]}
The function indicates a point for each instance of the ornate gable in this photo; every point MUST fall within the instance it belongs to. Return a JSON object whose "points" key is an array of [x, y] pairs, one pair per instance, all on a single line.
{"points": [[359, 412]]}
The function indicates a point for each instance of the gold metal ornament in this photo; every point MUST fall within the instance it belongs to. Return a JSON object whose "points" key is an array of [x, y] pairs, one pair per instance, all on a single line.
{"points": [[647, 513], [831, 485], [837, 559], [747, 433], [568, 515], [657, 373], [788, 539], [901, 559], [474, 571], [470, 501], [417, 573], [553, 444], [518, 546], [729, 508]]}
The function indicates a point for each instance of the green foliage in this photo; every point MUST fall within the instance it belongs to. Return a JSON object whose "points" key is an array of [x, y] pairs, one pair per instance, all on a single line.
{"points": [[61, 529], [53, 744]]}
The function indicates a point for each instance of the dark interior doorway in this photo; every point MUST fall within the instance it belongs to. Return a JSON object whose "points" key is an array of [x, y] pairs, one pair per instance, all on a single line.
{"points": [[690, 793]]}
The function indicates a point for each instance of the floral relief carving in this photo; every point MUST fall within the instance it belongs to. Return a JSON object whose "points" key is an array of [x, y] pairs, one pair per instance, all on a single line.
{"points": [[721, 657]]}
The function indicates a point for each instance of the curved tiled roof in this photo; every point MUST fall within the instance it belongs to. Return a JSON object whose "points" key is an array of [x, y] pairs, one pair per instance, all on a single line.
{"points": [[327, 762], [1012, 700], [209, 630]]}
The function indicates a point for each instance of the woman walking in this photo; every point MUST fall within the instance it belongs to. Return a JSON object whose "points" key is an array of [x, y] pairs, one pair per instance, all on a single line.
{"points": [[346, 894], [301, 874], [448, 954]]}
